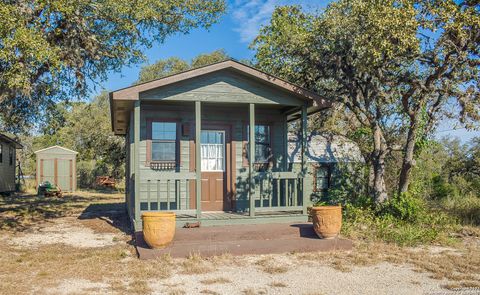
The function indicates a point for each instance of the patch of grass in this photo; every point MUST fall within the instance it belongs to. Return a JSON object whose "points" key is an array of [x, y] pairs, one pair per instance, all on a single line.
{"points": [[427, 228], [195, 264], [271, 266], [210, 292], [252, 291], [460, 265], [465, 208], [277, 285], [219, 280], [176, 292]]}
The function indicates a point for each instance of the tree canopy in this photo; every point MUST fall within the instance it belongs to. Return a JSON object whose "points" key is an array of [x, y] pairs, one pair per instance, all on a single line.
{"points": [[173, 65], [51, 50], [395, 68]]}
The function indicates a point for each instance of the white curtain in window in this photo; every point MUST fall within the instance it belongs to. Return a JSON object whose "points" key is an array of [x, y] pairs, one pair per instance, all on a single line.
{"points": [[212, 157]]}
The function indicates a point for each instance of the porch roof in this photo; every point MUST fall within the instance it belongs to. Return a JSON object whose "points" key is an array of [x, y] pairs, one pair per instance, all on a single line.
{"points": [[15, 143], [122, 100]]}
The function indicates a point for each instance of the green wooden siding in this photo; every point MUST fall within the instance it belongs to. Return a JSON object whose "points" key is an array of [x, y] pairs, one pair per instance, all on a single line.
{"points": [[7, 171], [225, 99]]}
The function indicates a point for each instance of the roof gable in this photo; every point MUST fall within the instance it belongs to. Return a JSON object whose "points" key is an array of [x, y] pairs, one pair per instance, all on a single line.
{"points": [[55, 149], [223, 86]]}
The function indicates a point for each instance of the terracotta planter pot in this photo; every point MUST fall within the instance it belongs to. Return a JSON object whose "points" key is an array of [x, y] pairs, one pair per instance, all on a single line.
{"points": [[327, 221], [158, 228]]}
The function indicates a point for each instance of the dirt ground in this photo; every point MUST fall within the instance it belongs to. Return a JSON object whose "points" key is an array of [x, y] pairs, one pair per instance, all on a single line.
{"points": [[81, 244]]}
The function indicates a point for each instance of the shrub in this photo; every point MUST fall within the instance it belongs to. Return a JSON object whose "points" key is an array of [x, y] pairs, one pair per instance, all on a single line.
{"points": [[465, 208], [442, 189], [404, 207], [404, 220]]}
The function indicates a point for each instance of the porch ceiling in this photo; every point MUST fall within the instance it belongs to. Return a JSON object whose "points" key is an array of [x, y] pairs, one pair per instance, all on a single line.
{"points": [[122, 100]]}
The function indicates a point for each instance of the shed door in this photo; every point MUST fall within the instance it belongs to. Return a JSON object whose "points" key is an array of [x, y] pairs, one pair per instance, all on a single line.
{"points": [[47, 170], [64, 176]]}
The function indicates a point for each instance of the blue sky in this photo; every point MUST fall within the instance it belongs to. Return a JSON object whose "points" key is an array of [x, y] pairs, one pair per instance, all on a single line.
{"points": [[233, 33]]}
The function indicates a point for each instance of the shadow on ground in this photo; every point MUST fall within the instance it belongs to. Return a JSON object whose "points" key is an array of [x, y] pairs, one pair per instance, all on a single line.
{"points": [[305, 230], [113, 214], [20, 212]]}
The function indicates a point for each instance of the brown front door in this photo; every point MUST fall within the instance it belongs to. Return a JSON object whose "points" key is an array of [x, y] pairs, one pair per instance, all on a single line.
{"points": [[216, 165]]}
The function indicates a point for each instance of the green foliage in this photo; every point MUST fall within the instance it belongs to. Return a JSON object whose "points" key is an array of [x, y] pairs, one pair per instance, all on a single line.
{"points": [[393, 67], [441, 188], [403, 207], [88, 171], [173, 65], [349, 185], [50, 50], [465, 208], [405, 221]]}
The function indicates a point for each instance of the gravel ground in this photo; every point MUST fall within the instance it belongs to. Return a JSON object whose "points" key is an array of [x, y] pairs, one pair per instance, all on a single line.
{"points": [[66, 231], [260, 274], [383, 278]]}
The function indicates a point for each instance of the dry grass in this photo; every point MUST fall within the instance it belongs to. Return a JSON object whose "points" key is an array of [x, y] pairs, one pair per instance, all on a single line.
{"points": [[461, 265], [206, 291], [176, 292], [213, 281], [277, 285], [271, 266], [25, 212], [195, 264], [252, 291]]}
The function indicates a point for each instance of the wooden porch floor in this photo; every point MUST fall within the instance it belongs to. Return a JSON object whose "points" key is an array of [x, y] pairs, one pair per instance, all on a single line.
{"points": [[225, 218], [221, 215]]}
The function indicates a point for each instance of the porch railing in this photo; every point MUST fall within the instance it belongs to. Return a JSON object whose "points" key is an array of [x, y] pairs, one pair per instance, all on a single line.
{"points": [[168, 191], [278, 191], [173, 191]]}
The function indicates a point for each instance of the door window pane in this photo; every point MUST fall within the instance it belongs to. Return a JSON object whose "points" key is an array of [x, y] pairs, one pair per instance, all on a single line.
{"points": [[213, 150]]}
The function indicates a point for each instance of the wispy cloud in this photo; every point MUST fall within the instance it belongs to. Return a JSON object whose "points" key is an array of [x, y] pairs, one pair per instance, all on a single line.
{"points": [[249, 16]]}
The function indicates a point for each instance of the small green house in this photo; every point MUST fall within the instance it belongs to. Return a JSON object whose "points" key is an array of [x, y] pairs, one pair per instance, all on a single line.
{"points": [[189, 143]]}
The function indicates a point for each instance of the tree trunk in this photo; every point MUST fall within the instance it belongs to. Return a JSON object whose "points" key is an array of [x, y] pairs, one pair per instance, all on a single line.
{"points": [[408, 157], [378, 162]]}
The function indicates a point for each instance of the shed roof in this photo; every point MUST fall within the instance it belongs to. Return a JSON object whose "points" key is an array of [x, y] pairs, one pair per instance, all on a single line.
{"points": [[121, 101], [49, 149], [11, 140]]}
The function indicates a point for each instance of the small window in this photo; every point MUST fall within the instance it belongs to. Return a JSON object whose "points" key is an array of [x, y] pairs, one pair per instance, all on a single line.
{"points": [[322, 178], [263, 151], [164, 142], [1, 153], [10, 156]]}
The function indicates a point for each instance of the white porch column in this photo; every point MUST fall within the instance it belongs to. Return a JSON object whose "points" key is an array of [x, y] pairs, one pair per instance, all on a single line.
{"points": [[136, 164], [198, 157], [304, 157], [251, 159]]}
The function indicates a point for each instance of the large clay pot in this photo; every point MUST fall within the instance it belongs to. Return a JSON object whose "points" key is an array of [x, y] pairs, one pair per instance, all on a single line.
{"points": [[327, 221], [158, 228]]}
